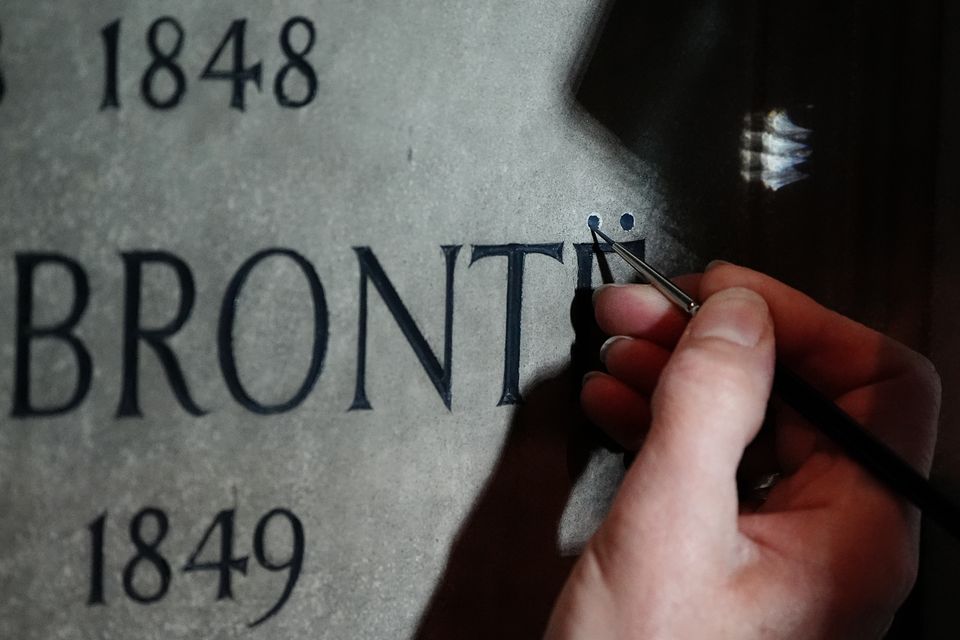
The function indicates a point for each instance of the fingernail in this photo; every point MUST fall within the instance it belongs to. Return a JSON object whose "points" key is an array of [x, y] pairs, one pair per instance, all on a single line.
{"points": [[606, 346], [588, 375], [736, 315], [715, 263], [604, 287]]}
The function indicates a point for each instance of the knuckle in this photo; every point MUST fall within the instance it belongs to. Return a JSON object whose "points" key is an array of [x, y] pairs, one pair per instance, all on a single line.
{"points": [[920, 371], [720, 372], [712, 384], [928, 373]]}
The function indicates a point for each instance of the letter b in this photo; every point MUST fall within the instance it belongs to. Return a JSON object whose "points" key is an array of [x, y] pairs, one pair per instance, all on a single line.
{"points": [[27, 264]]}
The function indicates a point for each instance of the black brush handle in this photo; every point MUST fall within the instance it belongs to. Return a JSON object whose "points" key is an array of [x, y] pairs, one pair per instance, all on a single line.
{"points": [[860, 445]]}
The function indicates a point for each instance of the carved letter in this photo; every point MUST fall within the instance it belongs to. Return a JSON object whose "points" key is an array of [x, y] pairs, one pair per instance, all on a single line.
{"points": [[133, 333], [228, 312], [439, 375], [515, 254], [26, 333]]}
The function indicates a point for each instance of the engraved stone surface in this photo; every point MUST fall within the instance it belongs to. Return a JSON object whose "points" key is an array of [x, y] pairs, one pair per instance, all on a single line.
{"points": [[334, 426], [430, 127]]}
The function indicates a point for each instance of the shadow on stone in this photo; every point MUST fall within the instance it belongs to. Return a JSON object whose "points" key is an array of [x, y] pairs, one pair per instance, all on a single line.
{"points": [[505, 568]]}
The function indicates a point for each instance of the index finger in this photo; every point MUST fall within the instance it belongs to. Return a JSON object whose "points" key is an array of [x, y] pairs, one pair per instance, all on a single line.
{"points": [[890, 389], [881, 383], [838, 353]]}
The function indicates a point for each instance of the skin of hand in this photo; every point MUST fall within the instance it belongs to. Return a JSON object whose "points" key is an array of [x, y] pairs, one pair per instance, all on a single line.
{"points": [[830, 553]]}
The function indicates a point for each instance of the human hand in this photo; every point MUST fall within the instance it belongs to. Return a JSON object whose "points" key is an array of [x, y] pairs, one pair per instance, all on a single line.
{"points": [[829, 553]]}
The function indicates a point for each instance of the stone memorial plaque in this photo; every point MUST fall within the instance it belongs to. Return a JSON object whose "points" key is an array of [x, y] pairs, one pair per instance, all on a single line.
{"points": [[295, 296]]}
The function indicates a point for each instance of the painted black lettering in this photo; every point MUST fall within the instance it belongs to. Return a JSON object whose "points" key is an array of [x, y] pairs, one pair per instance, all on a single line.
{"points": [[238, 74], [587, 252], [440, 375], [134, 333], [27, 264], [3, 88], [228, 312], [165, 61], [515, 254], [111, 44]]}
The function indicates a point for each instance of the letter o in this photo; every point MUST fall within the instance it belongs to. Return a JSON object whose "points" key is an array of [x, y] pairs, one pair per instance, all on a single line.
{"points": [[228, 312]]}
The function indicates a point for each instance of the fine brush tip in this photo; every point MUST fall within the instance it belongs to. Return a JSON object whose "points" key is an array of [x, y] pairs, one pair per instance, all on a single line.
{"points": [[594, 221], [605, 237]]}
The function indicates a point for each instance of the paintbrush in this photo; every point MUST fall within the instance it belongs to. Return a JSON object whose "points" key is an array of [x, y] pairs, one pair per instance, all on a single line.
{"points": [[858, 443]]}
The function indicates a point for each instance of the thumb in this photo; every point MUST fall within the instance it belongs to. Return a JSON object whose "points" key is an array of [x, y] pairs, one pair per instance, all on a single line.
{"points": [[708, 405]]}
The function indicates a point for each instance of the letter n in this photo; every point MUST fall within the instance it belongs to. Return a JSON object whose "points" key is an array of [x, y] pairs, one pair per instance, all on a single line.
{"points": [[371, 271]]}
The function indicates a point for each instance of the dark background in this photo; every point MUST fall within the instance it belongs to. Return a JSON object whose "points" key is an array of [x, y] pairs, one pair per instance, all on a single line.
{"points": [[871, 231]]}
